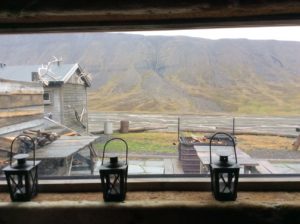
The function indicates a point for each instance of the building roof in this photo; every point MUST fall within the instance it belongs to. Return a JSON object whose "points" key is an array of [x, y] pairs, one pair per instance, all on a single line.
{"points": [[56, 72]]}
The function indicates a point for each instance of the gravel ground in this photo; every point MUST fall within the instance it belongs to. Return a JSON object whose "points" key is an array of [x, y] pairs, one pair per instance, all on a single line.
{"points": [[274, 154]]}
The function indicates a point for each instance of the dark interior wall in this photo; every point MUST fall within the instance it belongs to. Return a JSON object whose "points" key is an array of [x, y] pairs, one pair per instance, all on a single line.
{"points": [[147, 213], [117, 15]]}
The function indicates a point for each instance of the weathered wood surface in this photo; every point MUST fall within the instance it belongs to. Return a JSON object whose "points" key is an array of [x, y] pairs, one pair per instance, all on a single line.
{"points": [[16, 87], [20, 100], [41, 138], [26, 16], [296, 143], [264, 167], [57, 157], [20, 103], [5, 143], [55, 107], [65, 146], [243, 158], [18, 127], [75, 77], [172, 166], [21, 111], [9, 121], [75, 98]]}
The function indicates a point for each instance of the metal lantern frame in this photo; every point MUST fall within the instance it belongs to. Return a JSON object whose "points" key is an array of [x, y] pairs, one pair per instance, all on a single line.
{"points": [[224, 175], [22, 176], [114, 190]]}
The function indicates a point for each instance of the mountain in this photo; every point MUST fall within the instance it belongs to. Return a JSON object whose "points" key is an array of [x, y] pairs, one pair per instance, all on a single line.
{"points": [[172, 74]]}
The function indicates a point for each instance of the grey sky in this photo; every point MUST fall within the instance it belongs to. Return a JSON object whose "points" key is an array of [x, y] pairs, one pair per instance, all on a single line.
{"points": [[289, 33]]}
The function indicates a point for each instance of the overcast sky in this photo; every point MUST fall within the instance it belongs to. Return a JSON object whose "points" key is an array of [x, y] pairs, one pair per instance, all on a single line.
{"points": [[290, 33]]}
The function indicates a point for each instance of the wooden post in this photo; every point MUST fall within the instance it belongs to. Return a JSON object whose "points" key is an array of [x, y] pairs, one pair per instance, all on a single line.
{"points": [[296, 143], [124, 126], [178, 129]]}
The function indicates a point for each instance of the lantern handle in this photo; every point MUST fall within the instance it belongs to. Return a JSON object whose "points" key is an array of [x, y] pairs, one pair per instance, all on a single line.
{"points": [[210, 143], [113, 139], [11, 148]]}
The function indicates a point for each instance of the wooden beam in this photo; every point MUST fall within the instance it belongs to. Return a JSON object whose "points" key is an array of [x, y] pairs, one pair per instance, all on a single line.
{"points": [[58, 16], [15, 120], [21, 111], [17, 100], [9, 87], [21, 126]]}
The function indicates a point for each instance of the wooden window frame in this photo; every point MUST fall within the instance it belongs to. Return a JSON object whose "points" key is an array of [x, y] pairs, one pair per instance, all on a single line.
{"points": [[50, 100], [105, 22]]}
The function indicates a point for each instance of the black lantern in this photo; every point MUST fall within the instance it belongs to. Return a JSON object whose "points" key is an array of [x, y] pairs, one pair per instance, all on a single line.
{"points": [[224, 171], [113, 175], [22, 176]]}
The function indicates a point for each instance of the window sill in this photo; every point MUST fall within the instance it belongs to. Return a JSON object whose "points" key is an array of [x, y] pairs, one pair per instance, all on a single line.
{"points": [[285, 183], [154, 207]]}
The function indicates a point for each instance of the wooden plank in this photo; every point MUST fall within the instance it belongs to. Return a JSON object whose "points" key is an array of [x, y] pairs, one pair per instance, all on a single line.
{"points": [[296, 143], [5, 143], [268, 166], [70, 165], [17, 100], [261, 169], [177, 168], [21, 126], [16, 120], [243, 158], [56, 103], [22, 111], [18, 87], [75, 96], [168, 166], [20, 102], [54, 150]]}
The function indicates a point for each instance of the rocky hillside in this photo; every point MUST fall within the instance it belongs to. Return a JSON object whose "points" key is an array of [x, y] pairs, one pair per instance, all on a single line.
{"points": [[173, 74]]}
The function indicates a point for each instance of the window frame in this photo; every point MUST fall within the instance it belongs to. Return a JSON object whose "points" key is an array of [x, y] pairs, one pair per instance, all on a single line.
{"points": [[198, 182], [50, 96], [161, 183]]}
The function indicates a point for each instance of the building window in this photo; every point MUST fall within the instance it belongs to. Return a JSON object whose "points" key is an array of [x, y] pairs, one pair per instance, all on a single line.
{"points": [[47, 98]]}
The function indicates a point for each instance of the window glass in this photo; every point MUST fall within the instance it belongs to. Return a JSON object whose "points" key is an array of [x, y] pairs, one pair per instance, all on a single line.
{"points": [[164, 92]]}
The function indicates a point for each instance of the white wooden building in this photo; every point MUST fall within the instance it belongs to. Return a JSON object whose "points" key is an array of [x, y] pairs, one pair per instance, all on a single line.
{"points": [[65, 90]]}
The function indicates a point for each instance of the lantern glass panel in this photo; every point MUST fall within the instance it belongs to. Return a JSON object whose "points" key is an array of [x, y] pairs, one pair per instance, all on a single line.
{"points": [[226, 183], [33, 181], [113, 184], [17, 184]]}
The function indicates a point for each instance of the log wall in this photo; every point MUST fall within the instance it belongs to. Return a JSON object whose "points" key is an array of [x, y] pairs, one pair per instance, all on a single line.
{"points": [[20, 103]]}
